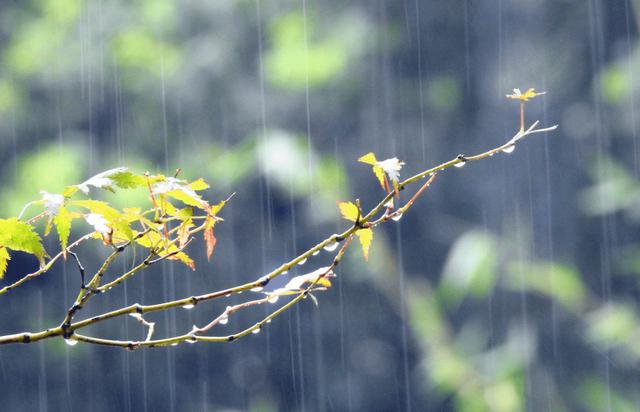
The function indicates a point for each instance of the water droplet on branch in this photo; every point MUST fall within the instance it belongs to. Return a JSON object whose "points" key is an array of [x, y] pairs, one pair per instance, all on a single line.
{"points": [[274, 299], [509, 149], [71, 342], [302, 262], [188, 306], [331, 246], [396, 217], [461, 164]]}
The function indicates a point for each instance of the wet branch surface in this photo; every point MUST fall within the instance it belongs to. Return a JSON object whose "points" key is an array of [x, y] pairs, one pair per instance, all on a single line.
{"points": [[70, 330]]}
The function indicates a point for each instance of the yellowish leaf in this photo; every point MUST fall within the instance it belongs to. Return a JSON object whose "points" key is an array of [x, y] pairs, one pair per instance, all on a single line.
{"points": [[369, 159], [183, 231], [348, 210], [524, 97], [379, 172], [366, 237], [209, 237], [199, 184], [184, 258], [4, 258]]}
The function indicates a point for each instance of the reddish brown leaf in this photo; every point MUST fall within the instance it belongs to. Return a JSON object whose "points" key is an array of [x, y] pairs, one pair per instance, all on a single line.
{"points": [[209, 237]]}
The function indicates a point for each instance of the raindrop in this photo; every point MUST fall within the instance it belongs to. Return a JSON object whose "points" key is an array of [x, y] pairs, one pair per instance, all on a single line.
{"points": [[331, 246], [192, 339], [224, 320], [315, 253], [257, 289], [509, 149], [461, 164], [188, 306], [174, 344], [71, 342], [269, 321], [227, 295], [302, 262], [274, 299], [285, 272], [256, 331], [396, 217]]}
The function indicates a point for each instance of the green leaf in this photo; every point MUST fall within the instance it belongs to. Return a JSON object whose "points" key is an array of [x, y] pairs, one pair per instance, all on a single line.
{"points": [[470, 268], [99, 207], [120, 177], [63, 225], [554, 280], [4, 259], [18, 235], [179, 190], [127, 180]]}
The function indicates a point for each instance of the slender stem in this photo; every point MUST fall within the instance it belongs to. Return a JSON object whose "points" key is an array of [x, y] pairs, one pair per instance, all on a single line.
{"points": [[46, 267], [347, 235]]}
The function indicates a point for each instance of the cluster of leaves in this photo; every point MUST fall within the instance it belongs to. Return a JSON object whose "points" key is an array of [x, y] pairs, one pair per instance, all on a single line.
{"points": [[164, 228], [352, 212]]}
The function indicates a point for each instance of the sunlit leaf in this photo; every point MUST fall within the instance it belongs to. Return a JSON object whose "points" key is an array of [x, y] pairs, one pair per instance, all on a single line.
{"points": [[215, 209], [319, 276], [99, 223], [370, 159], [120, 177], [184, 258], [18, 235], [366, 237], [98, 207], [209, 237], [63, 225], [183, 231], [199, 184], [52, 203], [349, 211], [179, 190], [4, 259], [524, 97], [70, 191]]}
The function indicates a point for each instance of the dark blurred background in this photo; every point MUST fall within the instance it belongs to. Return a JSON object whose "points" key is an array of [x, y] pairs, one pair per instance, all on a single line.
{"points": [[511, 285]]}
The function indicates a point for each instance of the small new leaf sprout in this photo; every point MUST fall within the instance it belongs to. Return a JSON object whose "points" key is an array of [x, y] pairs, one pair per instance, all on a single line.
{"points": [[390, 166], [523, 97], [319, 278], [370, 159], [351, 212]]}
